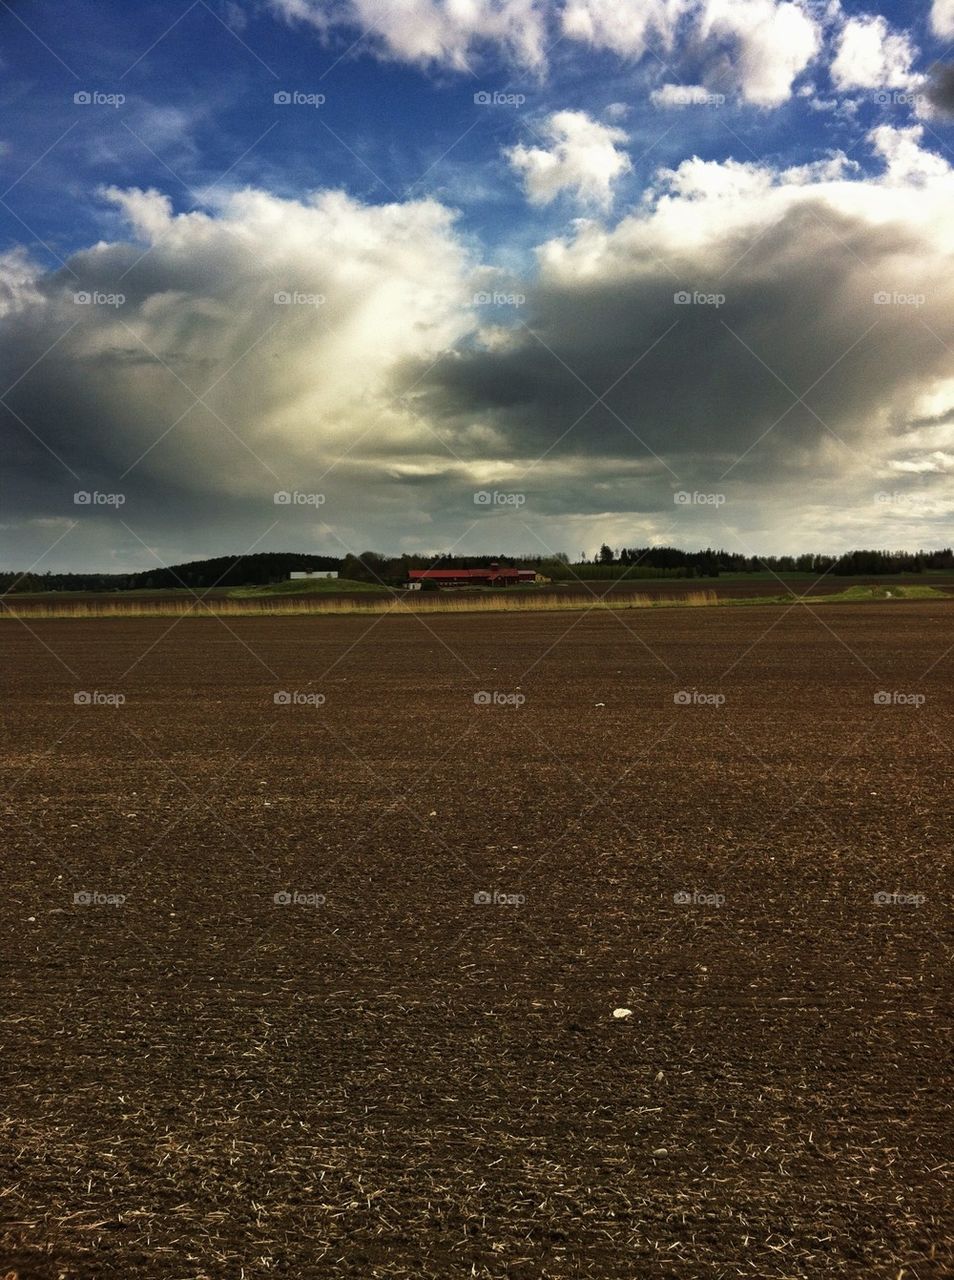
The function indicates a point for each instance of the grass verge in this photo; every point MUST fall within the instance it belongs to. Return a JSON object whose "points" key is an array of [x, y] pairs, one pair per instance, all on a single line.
{"points": [[272, 605]]}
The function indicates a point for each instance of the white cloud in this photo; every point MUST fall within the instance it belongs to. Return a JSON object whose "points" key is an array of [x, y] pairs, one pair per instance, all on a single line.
{"points": [[772, 43], [626, 29], [445, 33], [700, 210], [937, 462], [584, 157], [149, 213], [942, 18], [18, 281], [757, 47], [871, 56], [908, 163]]}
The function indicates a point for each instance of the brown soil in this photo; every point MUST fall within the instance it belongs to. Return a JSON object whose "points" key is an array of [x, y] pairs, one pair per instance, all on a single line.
{"points": [[395, 1080]]}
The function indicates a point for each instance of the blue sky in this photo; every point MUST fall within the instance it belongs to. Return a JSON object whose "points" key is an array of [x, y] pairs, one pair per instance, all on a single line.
{"points": [[768, 145], [199, 83]]}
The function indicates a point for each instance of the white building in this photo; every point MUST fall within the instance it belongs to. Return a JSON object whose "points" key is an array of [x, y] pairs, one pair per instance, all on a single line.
{"points": [[314, 573]]}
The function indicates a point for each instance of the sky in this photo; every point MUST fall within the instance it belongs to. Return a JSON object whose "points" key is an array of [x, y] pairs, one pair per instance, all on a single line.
{"points": [[515, 276]]}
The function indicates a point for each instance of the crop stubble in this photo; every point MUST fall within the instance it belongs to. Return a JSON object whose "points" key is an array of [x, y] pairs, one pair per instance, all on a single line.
{"points": [[393, 1079]]}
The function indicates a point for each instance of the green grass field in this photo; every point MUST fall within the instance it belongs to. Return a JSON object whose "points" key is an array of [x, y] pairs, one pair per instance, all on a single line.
{"points": [[305, 587]]}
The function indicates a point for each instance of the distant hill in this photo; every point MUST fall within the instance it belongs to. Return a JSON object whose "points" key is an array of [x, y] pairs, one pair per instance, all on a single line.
{"points": [[257, 569]]}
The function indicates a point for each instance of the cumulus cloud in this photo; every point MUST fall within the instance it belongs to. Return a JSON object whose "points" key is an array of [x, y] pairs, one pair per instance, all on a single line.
{"points": [[438, 32], [625, 29], [942, 18], [749, 328], [774, 334], [909, 164], [871, 56], [757, 47], [772, 43], [220, 357], [580, 155]]}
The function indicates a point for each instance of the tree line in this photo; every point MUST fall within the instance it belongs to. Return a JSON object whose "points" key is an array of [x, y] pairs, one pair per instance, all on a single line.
{"points": [[710, 562]]}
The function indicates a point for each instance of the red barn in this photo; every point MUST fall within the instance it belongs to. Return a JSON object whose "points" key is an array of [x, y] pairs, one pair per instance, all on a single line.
{"points": [[492, 576]]}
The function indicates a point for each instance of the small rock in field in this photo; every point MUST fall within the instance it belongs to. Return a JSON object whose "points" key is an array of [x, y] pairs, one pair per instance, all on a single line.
{"points": [[622, 1013], [661, 1151]]}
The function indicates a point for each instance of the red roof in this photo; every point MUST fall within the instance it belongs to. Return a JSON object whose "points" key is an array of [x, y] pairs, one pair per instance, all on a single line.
{"points": [[447, 575]]}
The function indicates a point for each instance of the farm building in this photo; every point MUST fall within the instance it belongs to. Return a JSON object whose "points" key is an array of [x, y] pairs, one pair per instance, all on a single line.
{"points": [[314, 573], [493, 576]]}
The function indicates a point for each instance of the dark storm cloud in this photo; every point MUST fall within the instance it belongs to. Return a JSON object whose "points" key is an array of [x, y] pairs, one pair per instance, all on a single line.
{"points": [[799, 299], [212, 363], [941, 87]]}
